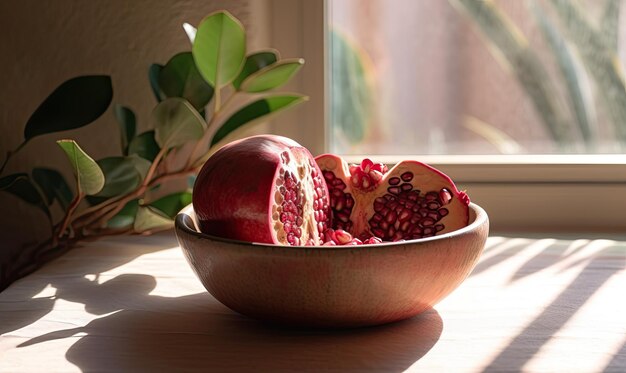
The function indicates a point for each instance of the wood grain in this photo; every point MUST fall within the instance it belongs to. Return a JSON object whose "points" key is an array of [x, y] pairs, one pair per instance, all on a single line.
{"points": [[133, 304]]}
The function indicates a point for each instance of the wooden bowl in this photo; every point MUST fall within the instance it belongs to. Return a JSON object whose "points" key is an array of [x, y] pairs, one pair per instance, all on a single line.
{"points": [[332, 286]]}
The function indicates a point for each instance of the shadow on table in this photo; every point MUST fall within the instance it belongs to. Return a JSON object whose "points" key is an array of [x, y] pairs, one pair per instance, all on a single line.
{"points": [[597, 269], [196, 333], [68, 278]]}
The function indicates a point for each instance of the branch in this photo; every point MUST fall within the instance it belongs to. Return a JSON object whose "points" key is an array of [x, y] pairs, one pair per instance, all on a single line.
{"points": [[68, 216]]}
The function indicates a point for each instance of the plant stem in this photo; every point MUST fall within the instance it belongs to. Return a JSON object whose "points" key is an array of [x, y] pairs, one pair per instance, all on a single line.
{"points": [[119, 205], [216, 99], [68, 215], [153, 167], [98, 207]]}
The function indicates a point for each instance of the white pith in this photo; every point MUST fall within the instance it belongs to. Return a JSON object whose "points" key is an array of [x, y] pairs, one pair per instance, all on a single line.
{"points": [[298, 165]]}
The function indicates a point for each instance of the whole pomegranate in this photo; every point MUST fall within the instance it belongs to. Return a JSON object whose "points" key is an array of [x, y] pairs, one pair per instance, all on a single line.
{"points": [[263, 189], [410, 201]]}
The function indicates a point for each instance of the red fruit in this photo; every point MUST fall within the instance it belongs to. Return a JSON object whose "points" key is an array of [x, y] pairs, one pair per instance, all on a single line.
{"points": [[263, 189], [412, 200]]}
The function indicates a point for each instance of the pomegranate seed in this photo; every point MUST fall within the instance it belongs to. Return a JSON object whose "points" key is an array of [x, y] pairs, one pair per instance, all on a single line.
{"points": [[407, 176], [343, 217], [394, 181], [376, 176], [342, 237], [378, 232], [349, 201], [405, 226], [444, 196], [394, 190], [365, 183], [339, 204], [373, 240], [406, 214], [366, 164]]}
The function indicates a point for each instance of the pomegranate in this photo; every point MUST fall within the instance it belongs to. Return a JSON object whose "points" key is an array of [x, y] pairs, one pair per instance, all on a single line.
{"points": [[410, 201], [263, 189]]}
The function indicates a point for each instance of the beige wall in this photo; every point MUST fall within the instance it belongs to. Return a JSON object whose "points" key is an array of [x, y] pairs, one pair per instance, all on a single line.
{"points": [[43, 43]]}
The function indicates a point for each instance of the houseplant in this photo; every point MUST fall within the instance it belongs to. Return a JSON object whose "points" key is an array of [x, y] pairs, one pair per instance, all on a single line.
{"points": [[199, 97]]}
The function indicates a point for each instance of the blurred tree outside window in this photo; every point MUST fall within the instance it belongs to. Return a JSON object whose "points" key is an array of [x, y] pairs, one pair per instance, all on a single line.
{"points": [[477, 77]]}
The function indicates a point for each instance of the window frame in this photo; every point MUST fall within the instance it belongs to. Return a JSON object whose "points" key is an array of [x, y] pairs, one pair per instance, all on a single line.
{"points": [[521, 193]]}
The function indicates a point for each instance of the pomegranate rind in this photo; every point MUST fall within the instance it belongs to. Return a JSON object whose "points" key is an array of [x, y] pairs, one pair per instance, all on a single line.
{"points": [[428, 178], [235, 194], [422, 176]]}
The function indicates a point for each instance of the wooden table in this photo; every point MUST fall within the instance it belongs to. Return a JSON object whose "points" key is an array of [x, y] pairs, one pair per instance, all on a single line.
{"points": [[133, 304]]}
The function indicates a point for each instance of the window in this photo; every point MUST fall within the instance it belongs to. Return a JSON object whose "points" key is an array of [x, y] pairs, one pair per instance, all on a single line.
{"points": [[449, 83]]}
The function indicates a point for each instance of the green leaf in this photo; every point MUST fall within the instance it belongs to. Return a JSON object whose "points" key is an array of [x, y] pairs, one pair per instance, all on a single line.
{"points": [[148, 218], [219, 48], [257, 110], [142, 165], [93, 200], [173, 203], [144, 146], [74, 104], [121, 175], [128, 126], [89, 176], [272, 76], [176, 122], [126, 216], [153, 75], [254, 63], [54, 186], [181, 78], [20, 186]]}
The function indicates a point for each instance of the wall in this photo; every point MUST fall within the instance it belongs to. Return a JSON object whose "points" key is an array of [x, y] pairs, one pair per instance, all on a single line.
{"points": [[43, 43]]}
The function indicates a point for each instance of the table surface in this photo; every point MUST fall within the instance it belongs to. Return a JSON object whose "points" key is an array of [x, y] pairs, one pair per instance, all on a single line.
{"points": [[133, 304]]}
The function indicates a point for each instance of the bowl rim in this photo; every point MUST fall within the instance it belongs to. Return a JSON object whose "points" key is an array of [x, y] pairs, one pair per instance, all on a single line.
{"points": [[185, 223]]}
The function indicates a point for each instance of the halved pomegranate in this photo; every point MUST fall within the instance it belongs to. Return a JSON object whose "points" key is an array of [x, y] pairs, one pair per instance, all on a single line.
{"points": [[412, 200], [263, 189]]}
